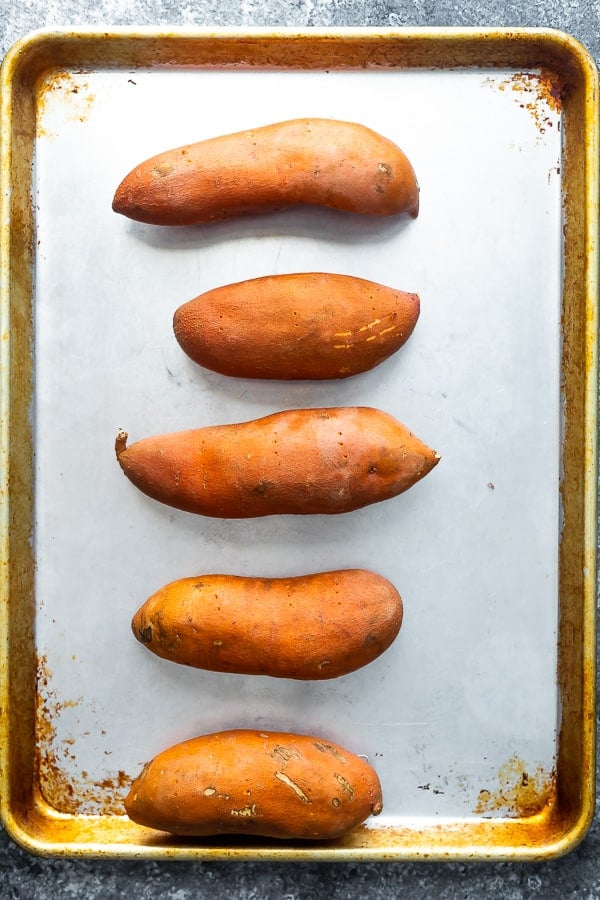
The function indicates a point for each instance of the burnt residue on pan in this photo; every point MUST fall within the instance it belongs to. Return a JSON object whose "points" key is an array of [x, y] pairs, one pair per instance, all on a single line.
{"points": [[76, 99], [521, 791], [539, 93], [55, 760]]}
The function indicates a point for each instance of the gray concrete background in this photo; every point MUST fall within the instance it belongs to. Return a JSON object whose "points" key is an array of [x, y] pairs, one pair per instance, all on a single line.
{"points": [[575, 876]]}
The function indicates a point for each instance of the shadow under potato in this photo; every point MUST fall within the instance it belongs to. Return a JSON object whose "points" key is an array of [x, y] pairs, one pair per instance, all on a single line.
{"points": [[299, 221], [240, 842]]}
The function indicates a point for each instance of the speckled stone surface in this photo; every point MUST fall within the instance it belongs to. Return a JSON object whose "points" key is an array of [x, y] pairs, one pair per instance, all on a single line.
{"points": [[578, 874]]}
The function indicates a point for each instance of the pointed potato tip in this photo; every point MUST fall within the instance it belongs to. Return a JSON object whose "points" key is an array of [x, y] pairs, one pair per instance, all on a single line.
{"points": [[137, 627], [125, 200], [432, 458], [377, 807], [120, 442], [177, 315], [118, 201], [129, 801], [122, 199], [413, 208]]}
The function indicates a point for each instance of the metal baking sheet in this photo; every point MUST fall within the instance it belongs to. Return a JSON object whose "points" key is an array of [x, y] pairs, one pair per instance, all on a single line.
{"points": [[479, 718]]}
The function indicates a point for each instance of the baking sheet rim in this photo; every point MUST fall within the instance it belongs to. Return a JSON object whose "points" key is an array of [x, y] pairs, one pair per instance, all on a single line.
{"points": [[567, 44]]}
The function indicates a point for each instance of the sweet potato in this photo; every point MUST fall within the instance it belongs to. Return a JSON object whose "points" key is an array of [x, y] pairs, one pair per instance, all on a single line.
{"points": [[309, 627], [273, 784], [297, 461], [321, 162], [306, 325]]}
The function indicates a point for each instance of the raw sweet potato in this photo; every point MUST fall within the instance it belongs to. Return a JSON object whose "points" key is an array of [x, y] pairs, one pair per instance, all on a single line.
{"points": [[297, 461], [273, 784], [309, 627], [306, 325], [321, 162]]}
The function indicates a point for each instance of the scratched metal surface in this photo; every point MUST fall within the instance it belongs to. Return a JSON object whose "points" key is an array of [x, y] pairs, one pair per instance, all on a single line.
{"points": [[468, 690]]}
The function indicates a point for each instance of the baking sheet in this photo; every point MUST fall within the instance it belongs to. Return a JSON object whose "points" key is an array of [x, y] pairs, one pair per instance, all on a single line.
{"points": [[461, 716]]}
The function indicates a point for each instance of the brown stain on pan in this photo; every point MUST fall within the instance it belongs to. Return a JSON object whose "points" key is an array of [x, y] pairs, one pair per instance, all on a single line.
{"points": [[539, 93], [66, 793], [76, 100], [522, 791]]}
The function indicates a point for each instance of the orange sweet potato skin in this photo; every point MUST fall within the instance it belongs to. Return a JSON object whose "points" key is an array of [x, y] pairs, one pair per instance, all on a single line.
{"points": [[301, 461], [306, 325], [309, 627], [325, 162], [272, 784]]}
